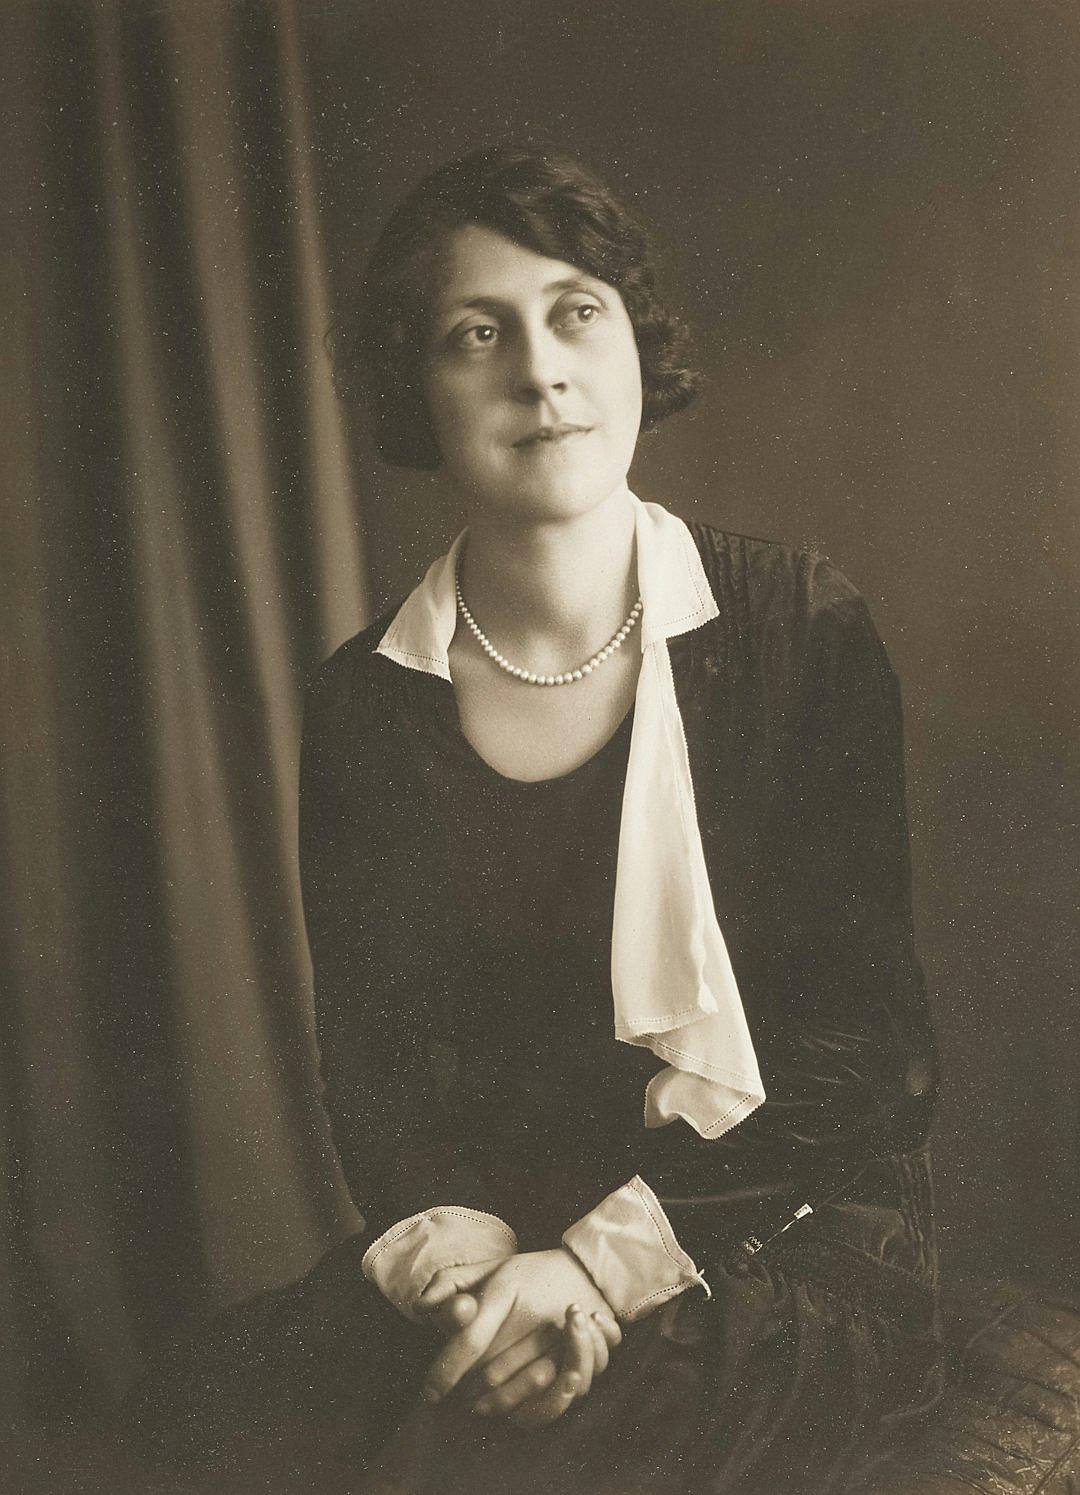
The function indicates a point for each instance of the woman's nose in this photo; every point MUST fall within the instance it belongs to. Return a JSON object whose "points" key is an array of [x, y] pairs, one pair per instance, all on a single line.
{"points": [[541, 364]]}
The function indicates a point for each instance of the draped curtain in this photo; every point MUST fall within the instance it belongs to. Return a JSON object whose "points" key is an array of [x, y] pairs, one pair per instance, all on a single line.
{"points": [[181, 545]]}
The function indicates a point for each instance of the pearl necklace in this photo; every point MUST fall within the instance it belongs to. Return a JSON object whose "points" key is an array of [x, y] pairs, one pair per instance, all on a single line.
{"points": [[568, 678]]}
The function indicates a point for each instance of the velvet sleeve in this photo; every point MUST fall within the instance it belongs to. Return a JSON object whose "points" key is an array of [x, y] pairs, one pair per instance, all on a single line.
{"points": [[841, 1021], [357, 1050], [374, 936]]}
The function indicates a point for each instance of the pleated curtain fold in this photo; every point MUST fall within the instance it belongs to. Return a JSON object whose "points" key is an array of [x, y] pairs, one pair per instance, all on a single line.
{"points": [[182, 542]]}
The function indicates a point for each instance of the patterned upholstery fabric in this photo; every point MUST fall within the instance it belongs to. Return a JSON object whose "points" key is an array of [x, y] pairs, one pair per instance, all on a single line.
{"points": [[1009, 1420]]}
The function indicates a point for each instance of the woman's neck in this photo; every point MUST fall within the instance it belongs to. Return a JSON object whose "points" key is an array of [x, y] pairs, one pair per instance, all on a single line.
{"points": [[557, 589]]}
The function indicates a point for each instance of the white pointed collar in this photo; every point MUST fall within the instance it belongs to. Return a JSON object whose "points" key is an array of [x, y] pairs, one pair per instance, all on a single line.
{"points": [[672, 584]]}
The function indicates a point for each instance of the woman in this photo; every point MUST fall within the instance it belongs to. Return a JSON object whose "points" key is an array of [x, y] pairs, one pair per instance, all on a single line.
{"points": [[604, 864]]}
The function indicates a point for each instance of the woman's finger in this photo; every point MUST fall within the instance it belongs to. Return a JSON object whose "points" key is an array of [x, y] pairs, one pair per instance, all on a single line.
{"points": [[600, 1349], [467, 1346], [528, 1384], [525, 1385], [608, 1328], [578, 1356], [580, 1338], [508, 1362], [448, 1281], [538, 1411]]}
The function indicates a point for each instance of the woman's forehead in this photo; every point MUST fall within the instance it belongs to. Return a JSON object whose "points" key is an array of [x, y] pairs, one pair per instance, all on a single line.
{"points": [[477, 267]]}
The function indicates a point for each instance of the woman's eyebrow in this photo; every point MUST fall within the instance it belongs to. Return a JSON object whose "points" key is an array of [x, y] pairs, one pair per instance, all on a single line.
{"points": [[496, 303]]}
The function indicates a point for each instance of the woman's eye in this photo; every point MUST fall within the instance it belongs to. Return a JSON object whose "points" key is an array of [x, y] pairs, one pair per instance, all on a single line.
{"points": [[482, 335], [581, 315]]}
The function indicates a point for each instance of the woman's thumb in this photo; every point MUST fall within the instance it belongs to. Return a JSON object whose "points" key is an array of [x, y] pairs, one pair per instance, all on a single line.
{"points": [[449, 1317], [450, 1280]]}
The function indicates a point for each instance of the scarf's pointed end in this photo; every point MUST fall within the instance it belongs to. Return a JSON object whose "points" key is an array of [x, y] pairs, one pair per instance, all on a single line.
{"points": [[711, 1107]]}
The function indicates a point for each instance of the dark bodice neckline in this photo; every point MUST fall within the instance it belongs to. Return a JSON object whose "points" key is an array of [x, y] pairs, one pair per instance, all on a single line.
{"points": [[435, 703]]}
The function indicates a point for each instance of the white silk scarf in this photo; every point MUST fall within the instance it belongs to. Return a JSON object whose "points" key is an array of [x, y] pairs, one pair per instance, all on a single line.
{"points": [[673, 986]]}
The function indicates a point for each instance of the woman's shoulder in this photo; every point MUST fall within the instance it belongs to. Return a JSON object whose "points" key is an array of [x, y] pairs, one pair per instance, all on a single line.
{"points": [[352, 671], [791, 618], [758, 581]]}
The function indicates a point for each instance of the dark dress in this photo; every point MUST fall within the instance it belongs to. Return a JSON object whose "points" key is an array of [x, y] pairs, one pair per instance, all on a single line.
{"points": [[460, 930]]}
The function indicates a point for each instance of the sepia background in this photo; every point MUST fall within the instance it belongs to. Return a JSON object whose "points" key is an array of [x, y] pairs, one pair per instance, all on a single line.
{"points": [[867, 211]]}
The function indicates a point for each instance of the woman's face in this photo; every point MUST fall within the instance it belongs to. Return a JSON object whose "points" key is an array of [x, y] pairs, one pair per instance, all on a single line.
{"points": [[532, 379]]}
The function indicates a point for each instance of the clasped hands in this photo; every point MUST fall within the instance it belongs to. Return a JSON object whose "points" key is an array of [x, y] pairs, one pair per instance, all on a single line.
{"points": [[533, 1326]]}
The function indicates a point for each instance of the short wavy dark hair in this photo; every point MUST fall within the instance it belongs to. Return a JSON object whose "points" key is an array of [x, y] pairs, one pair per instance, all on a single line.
{"points": [[545, 202]]}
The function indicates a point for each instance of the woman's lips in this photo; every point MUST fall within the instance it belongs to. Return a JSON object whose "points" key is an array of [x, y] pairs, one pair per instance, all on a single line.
{"points": [[549, 434]]}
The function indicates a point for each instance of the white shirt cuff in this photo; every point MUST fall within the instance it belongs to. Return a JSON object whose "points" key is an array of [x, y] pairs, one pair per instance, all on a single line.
{"points": [[404, 1259], [627, 1246]]}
